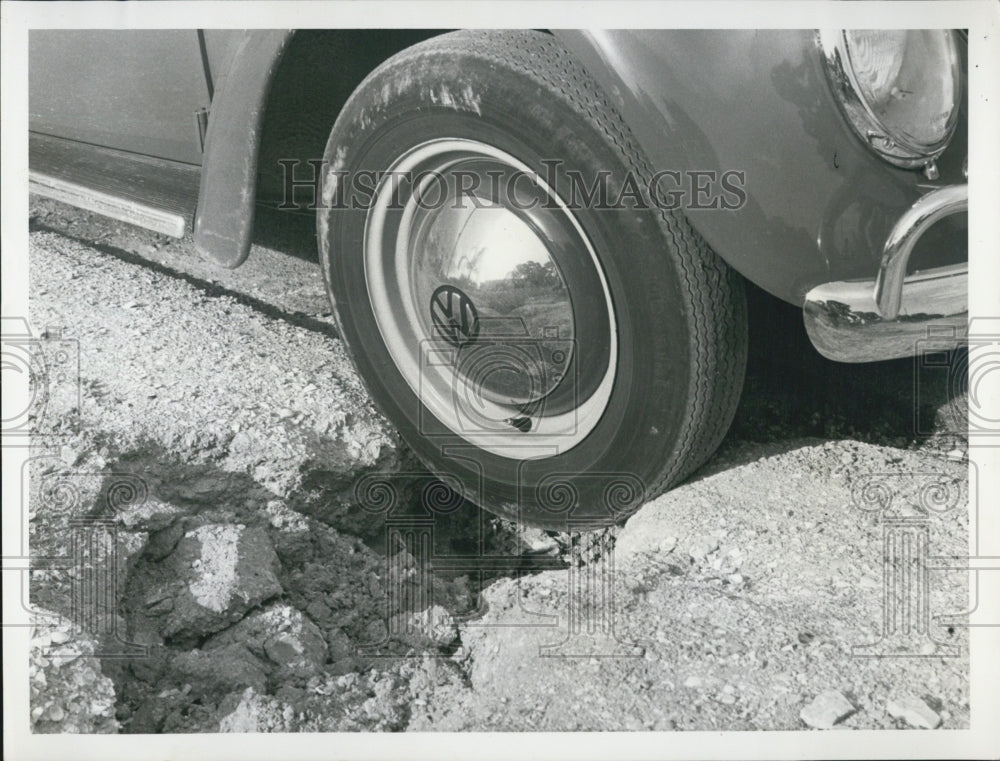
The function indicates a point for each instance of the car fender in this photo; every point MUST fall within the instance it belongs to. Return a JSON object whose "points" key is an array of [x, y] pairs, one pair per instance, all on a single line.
{"points": [[226, 196], [819, 204]]}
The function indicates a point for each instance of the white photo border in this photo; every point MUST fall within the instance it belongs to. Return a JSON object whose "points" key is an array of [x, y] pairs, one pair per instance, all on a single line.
{"points": [[981, 18]]}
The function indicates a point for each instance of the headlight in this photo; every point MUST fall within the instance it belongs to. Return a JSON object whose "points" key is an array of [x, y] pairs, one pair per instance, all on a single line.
{"points": [[899, 88]]}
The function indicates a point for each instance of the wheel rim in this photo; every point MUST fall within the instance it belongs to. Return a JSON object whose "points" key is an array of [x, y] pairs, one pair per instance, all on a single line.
{"points": [[490, 300]]}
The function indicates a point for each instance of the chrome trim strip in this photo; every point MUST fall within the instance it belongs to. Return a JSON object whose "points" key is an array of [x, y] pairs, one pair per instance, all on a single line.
{"points": [[932, 207], [158, 220], [844, 323]]}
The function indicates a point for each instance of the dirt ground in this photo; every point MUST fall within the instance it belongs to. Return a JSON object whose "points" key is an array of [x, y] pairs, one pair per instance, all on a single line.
{"points": [[263, 557]]}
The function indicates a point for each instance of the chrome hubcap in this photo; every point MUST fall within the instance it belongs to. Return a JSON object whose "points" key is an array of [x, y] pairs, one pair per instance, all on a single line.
{"points": [[490, 299]]}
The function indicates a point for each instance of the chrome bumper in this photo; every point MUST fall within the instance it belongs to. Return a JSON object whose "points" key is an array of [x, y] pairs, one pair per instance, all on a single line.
{"points": [[887, 318]]}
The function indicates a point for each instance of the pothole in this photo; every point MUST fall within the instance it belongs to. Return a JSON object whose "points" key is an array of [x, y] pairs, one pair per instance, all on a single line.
{"points": [[254, 610]]}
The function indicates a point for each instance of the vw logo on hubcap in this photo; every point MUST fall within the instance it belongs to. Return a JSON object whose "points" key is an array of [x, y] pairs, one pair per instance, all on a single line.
{"points": [[454, 315]]}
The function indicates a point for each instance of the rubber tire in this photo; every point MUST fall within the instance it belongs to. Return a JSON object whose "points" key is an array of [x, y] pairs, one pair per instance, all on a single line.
{"points": [[680, 309]]}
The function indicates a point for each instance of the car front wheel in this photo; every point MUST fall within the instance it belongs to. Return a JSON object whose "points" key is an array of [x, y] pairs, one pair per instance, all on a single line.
{"points": [[542, 333]]}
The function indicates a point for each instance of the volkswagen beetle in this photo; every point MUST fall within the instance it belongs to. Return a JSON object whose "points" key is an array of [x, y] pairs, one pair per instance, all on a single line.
{"points": [[537, 242]]}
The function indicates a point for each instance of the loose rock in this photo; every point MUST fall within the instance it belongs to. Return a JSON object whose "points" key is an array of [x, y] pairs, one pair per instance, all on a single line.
{"points": [[221, 670], [434, 627], [250, 712], [214, 575], [537, 541], [826, 709], [279, 635], [703, 547], [668, 544], [914, 712]]}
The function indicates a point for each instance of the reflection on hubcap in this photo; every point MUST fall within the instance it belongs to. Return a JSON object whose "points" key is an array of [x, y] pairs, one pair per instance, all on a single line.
{"points": [[501, 265], [493, 311]]}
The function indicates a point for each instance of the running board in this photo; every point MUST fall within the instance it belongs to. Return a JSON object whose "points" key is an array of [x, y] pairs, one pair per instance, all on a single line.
{"points": [[153, 193], [110, 206]]}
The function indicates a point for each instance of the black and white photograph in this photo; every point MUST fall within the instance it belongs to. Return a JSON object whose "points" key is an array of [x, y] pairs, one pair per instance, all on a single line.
{"points": [[554, 380]]}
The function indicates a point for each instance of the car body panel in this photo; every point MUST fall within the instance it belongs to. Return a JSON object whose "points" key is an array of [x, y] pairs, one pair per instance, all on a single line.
{"points": [[131, 90]]}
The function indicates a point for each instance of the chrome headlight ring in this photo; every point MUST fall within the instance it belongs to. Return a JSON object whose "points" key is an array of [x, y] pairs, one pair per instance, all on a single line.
{"points": [[900, 89]]}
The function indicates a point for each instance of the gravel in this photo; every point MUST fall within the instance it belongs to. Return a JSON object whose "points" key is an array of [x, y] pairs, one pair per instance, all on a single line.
{"points": [[268, 600]]}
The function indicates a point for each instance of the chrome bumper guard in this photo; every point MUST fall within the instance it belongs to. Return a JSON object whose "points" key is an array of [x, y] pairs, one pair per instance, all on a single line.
{"points": [[886, 318]]}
